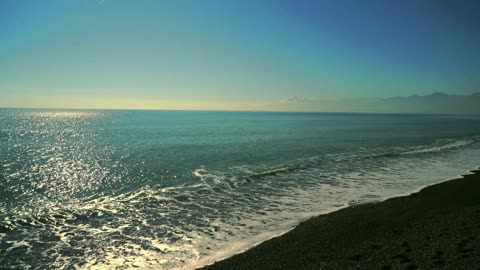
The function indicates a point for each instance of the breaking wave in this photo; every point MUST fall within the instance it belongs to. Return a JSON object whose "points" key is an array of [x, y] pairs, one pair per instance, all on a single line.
{"points": [[222, 212]]}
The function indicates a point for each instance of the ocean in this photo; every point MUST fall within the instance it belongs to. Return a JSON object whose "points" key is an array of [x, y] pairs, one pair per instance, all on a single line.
{"points": [[99, 189]]}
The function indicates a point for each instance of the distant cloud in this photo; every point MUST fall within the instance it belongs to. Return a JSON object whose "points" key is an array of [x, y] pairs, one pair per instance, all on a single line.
{"points": [[288, 100], [296, 100]]}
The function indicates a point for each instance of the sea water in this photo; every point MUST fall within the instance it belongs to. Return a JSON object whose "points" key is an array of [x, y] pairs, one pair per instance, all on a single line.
{"points": [[94, 189]]}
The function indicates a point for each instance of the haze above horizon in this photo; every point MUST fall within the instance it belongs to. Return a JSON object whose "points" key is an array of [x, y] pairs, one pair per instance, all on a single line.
{"points": [[238, 55]]}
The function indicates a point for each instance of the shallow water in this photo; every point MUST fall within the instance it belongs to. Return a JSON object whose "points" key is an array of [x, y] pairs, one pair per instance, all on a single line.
{"points": [[179, 189]]}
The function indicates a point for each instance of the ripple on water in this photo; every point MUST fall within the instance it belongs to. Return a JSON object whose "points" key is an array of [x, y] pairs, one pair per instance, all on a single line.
{"points": [[73, 199]]}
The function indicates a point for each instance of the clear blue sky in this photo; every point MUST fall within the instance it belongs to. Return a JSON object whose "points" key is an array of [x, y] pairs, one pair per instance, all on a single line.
{"points": [[243, 54]]}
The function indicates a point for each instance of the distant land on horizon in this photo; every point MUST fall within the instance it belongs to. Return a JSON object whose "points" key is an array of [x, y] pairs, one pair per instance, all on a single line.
{"points": [[436, 102]]}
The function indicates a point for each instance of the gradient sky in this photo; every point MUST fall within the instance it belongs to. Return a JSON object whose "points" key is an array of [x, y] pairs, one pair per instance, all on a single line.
{"points": [[243, 54]]}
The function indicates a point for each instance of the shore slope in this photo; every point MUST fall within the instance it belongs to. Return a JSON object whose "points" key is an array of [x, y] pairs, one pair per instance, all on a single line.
{"points": [[436, 228]]}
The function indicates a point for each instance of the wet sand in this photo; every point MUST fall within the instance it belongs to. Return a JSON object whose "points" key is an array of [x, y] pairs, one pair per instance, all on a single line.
{"points": [[436, 228]]}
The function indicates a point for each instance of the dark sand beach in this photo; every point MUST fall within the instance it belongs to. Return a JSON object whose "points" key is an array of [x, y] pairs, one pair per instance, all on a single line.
{"points": [[436, 228]]}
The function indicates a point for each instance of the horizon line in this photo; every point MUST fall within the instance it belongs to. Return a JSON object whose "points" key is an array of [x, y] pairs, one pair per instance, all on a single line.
{"points": [[223, 110]]}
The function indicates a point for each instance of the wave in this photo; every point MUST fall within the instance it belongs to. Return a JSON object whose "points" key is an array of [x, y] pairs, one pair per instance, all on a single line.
{"points": [[224, 211], [443, 145], [250, 173]]}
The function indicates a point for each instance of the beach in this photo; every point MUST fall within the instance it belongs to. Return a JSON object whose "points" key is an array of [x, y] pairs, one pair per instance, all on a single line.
{"points": [[436, 228]]}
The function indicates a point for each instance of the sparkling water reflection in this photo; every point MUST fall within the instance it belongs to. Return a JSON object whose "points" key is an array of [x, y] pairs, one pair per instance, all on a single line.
{"points": [[120, 189]]}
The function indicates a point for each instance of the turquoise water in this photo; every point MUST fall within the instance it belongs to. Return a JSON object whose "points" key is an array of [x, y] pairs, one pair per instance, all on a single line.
{"points": [[173, 189]]}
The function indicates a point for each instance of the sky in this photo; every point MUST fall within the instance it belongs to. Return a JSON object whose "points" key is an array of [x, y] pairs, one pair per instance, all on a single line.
{"points": [[233, 55]]}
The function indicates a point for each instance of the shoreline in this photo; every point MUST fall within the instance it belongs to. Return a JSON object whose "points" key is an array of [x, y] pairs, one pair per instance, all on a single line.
{"points": [[323, 239], [215, 258]]}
